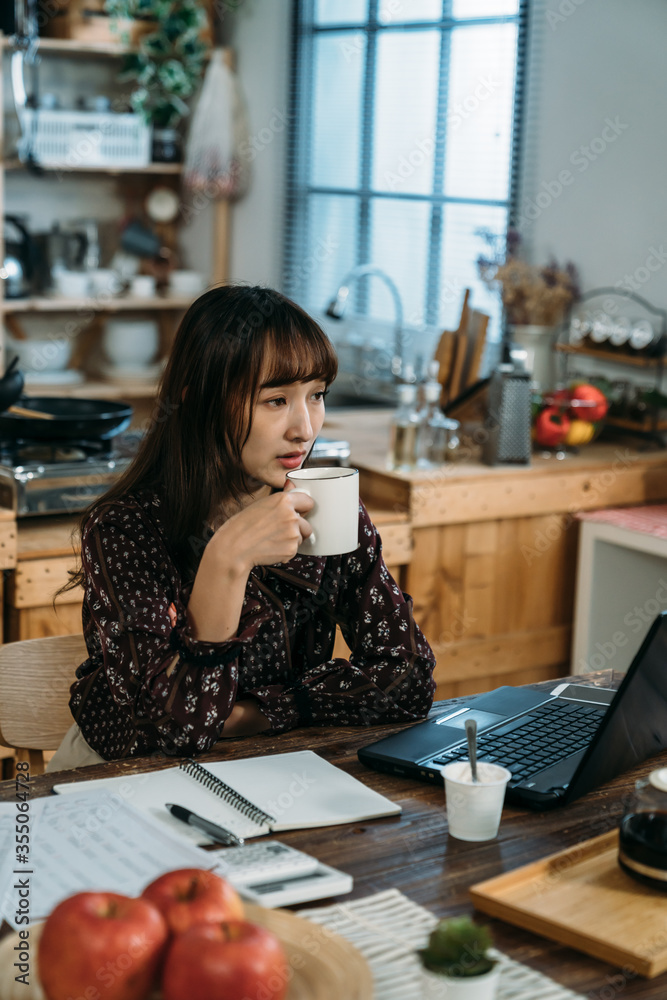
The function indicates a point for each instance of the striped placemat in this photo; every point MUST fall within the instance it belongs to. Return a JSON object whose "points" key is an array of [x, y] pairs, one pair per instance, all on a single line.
{"points": [[387, 929]]}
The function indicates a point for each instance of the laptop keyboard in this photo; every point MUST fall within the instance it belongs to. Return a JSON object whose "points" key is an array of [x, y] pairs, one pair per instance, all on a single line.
{"points": [[533, 742]]}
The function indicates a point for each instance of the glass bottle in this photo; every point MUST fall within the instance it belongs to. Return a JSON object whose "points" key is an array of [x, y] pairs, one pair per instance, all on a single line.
{"points": [[642, 847], [438, 435], [404, 430]]}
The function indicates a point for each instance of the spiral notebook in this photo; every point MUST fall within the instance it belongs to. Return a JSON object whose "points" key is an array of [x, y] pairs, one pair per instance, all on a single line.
{"points": [[249, 797]]}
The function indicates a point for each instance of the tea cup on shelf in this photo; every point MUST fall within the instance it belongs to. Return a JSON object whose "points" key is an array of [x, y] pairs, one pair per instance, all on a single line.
{"points": [[104, 281], [142, 286], [71, 284], [186, 282]]}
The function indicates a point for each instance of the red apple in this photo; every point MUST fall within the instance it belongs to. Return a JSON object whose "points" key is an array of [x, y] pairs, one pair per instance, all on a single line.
{"points": [[225, 961], [594, 395], [190, 896], [551, 427], [101, 944]]}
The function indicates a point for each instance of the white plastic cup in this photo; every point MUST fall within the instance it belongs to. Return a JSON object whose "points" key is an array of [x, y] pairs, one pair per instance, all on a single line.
{"points": [[474, 809]]}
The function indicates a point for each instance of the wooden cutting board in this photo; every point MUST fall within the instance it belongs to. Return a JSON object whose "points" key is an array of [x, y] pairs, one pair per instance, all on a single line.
{"points": [[582, 898]]}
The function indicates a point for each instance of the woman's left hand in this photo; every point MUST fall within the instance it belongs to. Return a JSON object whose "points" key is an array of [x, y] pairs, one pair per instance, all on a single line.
{"points": [[246, 719]]}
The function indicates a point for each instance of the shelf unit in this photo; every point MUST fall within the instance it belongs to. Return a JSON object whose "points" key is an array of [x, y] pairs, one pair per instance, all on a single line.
{"points": [[651, 426], [159, 169], [47, 304], [615, 357], [168, 307]]}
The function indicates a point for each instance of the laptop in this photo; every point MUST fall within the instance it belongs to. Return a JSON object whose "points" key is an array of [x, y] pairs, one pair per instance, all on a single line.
{"points": [[558, 744]]}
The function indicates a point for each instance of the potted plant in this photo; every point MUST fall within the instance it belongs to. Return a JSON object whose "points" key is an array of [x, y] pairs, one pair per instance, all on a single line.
{"points": [[167, 64], [456, 963], [535, 299]]}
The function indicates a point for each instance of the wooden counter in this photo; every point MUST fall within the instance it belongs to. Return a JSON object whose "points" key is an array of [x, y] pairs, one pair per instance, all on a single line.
{"points": [[492, 572], [43, 552], [488, 554]]}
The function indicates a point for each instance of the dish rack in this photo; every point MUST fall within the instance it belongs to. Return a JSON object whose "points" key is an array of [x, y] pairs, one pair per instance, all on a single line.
{"points": [[576, 339], [85, 139]]}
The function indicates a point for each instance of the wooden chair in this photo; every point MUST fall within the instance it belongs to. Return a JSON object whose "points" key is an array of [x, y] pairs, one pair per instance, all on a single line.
{"points": [[35, 678]]}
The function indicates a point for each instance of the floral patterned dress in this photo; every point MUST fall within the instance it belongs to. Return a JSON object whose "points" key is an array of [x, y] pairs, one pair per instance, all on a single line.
{"points": [[148, 684]]}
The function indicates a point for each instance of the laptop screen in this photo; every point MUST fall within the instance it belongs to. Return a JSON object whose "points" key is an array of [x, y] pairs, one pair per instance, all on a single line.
{"points": [[635, 725]]}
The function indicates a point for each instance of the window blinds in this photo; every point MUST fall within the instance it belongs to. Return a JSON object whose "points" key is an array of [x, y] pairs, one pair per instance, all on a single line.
{"points": [[405, 144]]}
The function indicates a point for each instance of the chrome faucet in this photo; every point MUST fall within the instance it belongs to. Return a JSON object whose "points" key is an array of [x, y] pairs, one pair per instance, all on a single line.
{"points": [[336, 309]]}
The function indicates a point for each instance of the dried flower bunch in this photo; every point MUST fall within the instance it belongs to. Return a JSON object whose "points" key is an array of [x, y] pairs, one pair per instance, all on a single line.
{"points": [[530, 294]]}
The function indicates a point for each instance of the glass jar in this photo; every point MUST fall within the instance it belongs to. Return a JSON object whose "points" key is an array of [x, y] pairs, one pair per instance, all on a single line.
{"points": [[642, 851], [166, 145]]}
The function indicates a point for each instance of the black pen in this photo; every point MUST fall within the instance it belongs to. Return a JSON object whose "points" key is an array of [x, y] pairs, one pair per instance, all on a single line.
{"points": [[218, 833]]}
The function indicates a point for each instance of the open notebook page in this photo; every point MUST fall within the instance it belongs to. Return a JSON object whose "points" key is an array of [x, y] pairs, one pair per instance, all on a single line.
{"points": [[299, 789]]}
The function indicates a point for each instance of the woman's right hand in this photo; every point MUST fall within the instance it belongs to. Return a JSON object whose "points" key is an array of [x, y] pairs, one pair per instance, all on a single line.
{"points": [[267, 531]]}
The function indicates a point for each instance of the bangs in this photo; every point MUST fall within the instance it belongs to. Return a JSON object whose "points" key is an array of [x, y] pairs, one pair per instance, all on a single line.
{"points": [[298, 352]]}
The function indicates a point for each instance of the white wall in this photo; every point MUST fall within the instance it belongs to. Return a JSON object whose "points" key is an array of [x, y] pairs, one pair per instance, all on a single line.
{"points": [[261, 38], [603, 62]]}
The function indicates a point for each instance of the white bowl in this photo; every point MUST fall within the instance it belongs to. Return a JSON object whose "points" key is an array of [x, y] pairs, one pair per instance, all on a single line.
{"points": [[39, 356], [104, 281], [130, 343], [186, 282]]}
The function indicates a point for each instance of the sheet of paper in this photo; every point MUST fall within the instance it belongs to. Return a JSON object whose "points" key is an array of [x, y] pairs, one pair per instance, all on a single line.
{"points": [[82, 843]]}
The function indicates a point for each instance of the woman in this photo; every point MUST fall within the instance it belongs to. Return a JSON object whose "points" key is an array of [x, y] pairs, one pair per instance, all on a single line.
{"points": [[200, 619]]}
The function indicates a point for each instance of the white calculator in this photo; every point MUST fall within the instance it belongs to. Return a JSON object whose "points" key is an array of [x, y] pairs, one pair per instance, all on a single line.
{"points": [[273, 874]]}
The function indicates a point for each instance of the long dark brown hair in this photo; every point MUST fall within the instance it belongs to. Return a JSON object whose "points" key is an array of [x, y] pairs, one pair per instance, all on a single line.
{"points": [[229, 338]]}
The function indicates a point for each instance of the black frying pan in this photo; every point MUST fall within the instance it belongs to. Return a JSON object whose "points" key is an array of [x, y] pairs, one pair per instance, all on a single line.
{"points": [[74, 420]]}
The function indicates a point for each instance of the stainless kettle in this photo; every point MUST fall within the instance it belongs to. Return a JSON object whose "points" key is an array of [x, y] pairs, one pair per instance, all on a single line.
{"points": [[18, 265]]}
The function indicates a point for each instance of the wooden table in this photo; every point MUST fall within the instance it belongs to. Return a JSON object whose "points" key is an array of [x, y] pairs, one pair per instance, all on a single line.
{"points": [[414, 854]]}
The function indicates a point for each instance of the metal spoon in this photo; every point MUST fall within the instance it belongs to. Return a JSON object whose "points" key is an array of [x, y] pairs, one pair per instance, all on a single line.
{"points": [[471, 733]]}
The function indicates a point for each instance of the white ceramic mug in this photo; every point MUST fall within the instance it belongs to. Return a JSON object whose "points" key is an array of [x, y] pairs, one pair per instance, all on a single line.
{"points": [[72, 284], [143, 286], [104, 281], [186, 282], [334, 517]]}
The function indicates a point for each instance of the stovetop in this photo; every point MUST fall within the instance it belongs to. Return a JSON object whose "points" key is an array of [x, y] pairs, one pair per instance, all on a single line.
{"points": [[65, 477], [60, 455]]}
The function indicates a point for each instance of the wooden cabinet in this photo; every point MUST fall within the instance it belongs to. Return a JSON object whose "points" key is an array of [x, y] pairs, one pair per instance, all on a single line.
{"points": [[44, 555], [42, 551], [488, 554], [493, 564]]}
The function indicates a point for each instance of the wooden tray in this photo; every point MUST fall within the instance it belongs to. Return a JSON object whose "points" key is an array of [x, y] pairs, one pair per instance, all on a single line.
{"points": [[582, 898]]}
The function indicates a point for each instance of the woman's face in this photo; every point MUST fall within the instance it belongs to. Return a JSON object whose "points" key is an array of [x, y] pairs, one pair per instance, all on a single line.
{"points": [[285, 422]]}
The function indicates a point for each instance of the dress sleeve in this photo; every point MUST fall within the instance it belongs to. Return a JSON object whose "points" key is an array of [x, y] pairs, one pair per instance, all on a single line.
{"points": [[389, 675], [176, 689]]}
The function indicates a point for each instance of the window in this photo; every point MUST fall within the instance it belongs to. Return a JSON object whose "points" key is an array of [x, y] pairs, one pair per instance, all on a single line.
{"points": [[405, 144]]}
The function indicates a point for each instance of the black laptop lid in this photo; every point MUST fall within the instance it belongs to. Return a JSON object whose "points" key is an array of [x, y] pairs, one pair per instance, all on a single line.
{"points": [[635, 725]]}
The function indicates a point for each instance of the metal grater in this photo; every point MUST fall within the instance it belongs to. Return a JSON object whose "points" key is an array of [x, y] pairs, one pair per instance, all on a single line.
{"points": [[509, 417]]}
